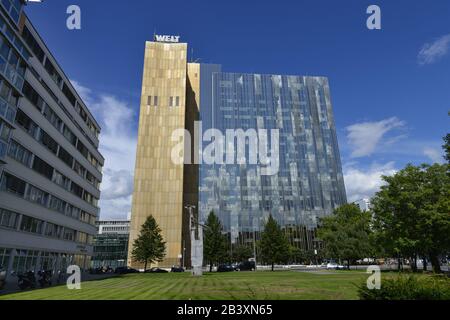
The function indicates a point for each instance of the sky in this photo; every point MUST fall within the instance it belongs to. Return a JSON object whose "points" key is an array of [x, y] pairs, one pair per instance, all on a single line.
{"points": [[390, 88]]}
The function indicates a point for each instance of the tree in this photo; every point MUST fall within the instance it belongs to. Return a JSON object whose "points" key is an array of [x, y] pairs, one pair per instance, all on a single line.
{"points": [[241, 253], [435, 213], [346, 234], [446, 147], [149, 247], [274, 245], [412, 213], [214, 246], [297, 255]]}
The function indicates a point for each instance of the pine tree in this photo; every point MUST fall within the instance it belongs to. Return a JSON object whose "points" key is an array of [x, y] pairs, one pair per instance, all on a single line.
{"points": [[214, 246], [149, 247], [274, 245]]}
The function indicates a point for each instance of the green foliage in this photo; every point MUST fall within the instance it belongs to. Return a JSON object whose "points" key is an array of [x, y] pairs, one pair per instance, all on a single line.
{"points": [[297, 255], [346, 234], [274, 245], [241, 253], [446, 147], [409, 288], [412, 213], [149, 247], [214, 245]]}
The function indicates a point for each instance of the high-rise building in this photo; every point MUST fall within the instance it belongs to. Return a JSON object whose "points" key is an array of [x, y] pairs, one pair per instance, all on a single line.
{"points": [[308, 182], [306, 185], [161, 188], [51, 167]]}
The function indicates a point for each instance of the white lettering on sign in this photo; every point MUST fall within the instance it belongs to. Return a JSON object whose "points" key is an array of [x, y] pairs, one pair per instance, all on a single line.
{"points": [[164, 38]]}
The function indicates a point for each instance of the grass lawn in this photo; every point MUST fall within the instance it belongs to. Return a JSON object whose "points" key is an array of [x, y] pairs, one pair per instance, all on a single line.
{"points": [[212, 286]]}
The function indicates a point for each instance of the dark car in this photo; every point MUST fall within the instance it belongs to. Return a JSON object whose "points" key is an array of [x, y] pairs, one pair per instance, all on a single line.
{"points": [[156, 270], [177, 269], [2, 277], [98, 270], [246, 266], [225, 268], [125, 270]]}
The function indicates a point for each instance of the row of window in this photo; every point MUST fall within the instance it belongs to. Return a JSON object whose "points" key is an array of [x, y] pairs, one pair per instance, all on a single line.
{"points": [[56, 121], [41, 136], [5, 131], [27, 260], [29, 192], [21, 154], [63, 108], [8, 94], [13, 7], [115, 229], [13, 38], [34, 45], [6, 111], [16, 221], [173, 101]]}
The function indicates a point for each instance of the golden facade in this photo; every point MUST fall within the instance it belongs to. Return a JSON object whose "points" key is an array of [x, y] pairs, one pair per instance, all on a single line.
{"points": [[162, 188]]}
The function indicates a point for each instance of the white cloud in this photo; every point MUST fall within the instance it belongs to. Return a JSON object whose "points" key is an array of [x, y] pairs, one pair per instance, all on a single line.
{"points": [[432, 52], [362, 183], [363, 138], [118, 145], [433, 154]]}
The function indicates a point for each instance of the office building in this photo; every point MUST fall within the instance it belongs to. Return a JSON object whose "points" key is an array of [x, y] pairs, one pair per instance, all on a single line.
{"points": [[306, 185], [111, 244], [51, 167], [363, 204]]}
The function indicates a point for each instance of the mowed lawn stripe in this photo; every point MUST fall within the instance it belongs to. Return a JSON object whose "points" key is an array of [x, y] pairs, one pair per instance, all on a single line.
{"points": [[259, 285]]}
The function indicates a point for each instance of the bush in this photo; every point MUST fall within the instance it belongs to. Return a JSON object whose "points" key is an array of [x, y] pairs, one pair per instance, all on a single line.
{"points": [[409, 288]]}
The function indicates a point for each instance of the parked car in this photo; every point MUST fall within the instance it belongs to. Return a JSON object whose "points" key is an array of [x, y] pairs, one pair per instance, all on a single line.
{"points": [[246, 266], [2, 277], [177, 269], [334, 266], [225, 268], [156, 270], [125, 270], [98, 270]]}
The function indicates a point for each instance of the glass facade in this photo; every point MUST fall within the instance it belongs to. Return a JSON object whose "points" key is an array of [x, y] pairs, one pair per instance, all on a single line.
{"points": [[110, 250], [309, 183], [13, 57]]}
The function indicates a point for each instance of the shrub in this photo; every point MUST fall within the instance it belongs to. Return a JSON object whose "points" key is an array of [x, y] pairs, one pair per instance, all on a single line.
{"points": [[409, 287]]}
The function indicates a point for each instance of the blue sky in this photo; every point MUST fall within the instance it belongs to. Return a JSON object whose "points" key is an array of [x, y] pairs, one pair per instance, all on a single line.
{"points": [[390, 87]]}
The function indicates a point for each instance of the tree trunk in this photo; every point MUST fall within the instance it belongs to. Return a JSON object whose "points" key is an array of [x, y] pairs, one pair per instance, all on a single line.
{"points": [[435, 263], [414, 265], [425, 264], [348, 264], [399, 262], [273, 265], [145, 266], [210, 266]]}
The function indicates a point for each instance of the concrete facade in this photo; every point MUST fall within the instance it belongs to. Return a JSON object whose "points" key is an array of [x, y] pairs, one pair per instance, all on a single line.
{"points": [[52, 169]]}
